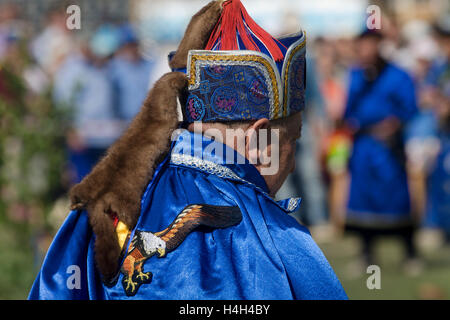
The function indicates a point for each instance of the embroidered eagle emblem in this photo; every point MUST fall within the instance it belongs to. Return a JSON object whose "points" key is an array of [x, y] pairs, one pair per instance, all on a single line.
{"points": [[145, 244]]}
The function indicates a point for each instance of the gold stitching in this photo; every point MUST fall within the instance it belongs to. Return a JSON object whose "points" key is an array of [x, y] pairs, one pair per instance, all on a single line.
{"points": [[286, 75]]}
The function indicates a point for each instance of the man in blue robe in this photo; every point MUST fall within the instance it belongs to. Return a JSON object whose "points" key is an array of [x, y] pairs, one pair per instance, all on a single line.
{"points": [[130, 74], [206, 225], [381, 100]]}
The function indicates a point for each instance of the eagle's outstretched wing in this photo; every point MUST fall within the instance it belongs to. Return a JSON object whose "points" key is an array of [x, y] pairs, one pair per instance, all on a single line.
{"points": [[145, 244], [197, 215]]}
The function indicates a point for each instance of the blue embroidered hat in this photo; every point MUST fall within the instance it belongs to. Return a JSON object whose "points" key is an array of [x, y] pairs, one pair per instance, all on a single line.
{"points": [[244, 73]]}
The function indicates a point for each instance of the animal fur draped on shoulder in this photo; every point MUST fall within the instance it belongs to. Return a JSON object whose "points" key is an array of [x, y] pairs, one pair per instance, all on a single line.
{"points": [[116, 183]]}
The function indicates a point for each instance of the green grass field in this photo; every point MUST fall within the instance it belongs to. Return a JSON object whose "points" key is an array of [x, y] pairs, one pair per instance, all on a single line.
{"points": [[17, 265], [433, 282]]}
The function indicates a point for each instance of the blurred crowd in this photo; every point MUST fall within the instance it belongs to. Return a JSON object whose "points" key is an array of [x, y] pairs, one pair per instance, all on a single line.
{"points": [[65, 96], [374, 158]]}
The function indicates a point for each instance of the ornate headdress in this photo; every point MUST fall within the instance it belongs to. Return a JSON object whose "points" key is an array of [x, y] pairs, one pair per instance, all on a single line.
{"points": [[244, 73]]}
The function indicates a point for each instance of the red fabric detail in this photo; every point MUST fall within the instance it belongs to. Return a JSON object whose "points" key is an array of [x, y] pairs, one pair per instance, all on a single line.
{"points": [[113, 217], [115, 221], [234, 20]]}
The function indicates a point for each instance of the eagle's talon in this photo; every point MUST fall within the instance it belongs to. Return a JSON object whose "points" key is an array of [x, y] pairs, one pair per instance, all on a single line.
{"points": [[144, 276], [129, 283]]}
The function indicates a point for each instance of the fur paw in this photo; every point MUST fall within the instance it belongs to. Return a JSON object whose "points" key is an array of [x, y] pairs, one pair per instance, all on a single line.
{"points": [[177, 81], [79, 197]]}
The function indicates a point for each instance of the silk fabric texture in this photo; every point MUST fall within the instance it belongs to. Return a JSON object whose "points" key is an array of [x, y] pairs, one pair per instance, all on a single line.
{"points": [[268, 255]]}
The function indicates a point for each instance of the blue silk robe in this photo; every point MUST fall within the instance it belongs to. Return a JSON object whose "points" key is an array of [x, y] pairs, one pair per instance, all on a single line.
{"points": [[268, 255], [379, 194]]}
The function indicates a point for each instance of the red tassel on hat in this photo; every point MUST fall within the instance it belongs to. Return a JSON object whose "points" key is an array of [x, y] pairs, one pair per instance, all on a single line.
{"points": [[234, 20]]}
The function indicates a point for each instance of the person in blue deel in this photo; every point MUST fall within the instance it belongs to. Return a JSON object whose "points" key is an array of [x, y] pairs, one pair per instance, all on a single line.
{"points": [[381, 100], [130, 73], [186, 211]]}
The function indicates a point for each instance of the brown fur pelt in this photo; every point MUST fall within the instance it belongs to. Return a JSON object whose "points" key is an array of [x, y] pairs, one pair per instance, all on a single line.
{"points": [[117, 182], [197, 33]]}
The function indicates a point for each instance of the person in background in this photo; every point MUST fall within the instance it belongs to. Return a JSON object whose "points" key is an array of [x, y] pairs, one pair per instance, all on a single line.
{"points": [[82, 83], [421, 135], [11, 27], [334, 147], [54, 43], [381, 100], [437, 94], [130, 74]]}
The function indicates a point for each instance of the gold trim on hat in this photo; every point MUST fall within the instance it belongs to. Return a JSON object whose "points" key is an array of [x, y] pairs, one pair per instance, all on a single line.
{"points": [[244, 56], [290, 54]]}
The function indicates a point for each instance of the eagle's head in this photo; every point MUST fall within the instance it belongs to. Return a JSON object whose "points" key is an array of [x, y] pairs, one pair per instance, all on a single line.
{"points": [[153, 244]]}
